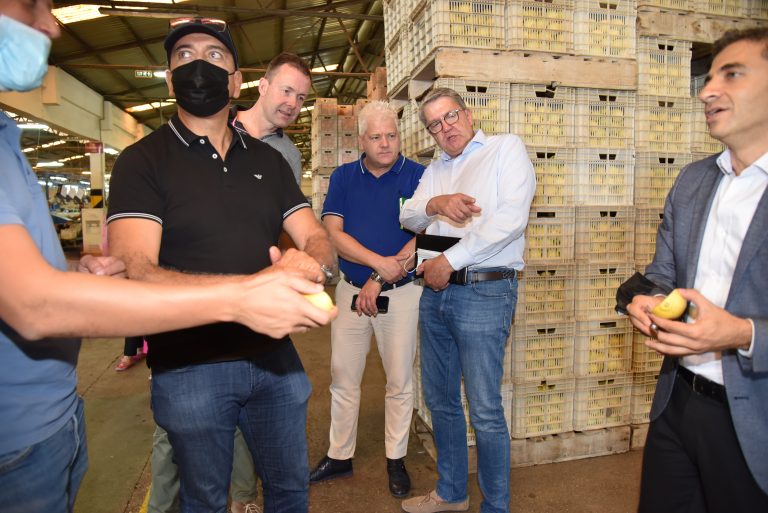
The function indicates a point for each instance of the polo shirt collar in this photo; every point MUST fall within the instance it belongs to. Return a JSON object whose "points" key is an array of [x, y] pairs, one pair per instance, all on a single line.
{"points": [[187, 137], [239, 126], [396, 167], [478, 141]]}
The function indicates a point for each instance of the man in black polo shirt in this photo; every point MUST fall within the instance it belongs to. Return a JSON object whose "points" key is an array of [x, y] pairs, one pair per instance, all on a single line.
{"points": [[197, 202]]}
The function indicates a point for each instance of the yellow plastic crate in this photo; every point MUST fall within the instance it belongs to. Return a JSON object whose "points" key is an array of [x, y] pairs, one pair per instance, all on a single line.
{"points": [[605, 233], [550, 234], [542, 350], [702, 142], [732, 8], [543, 115], [603, 347], [604, 177], [540, 26], [602, 402], [605, 28], [663, 67], [542, 407], [663, 123], [545, 293], [758, 10], [680, 5], [655, 174], [643, 390], [596, 285], [555, 170], [644, 359], [647, 221], [605, 118]]}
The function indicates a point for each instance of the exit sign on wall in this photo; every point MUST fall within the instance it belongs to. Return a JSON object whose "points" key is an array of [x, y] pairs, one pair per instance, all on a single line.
{"points": [[143, 73]]}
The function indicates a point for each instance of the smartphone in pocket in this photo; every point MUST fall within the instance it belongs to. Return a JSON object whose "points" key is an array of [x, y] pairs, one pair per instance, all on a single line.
{"points": [[382, 303]]}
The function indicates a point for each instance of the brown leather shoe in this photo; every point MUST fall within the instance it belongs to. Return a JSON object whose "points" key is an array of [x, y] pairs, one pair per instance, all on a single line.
{"points": [[432, 503]]}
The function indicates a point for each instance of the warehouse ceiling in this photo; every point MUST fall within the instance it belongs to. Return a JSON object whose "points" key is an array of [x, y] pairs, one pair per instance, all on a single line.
{"points": [[117, 49]]}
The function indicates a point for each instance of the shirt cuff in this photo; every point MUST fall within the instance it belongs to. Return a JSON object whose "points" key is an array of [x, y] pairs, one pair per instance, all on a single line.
{"points": [[748, 352], [458, 257]]}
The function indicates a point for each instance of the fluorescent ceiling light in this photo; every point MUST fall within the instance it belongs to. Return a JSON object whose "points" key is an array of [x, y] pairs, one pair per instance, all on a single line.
{"points": [[307, 108], [33, 126], [158, 74], [49, 164], [82, 12], [110, 151], [248, 85], [149, 106], [321, 69]]}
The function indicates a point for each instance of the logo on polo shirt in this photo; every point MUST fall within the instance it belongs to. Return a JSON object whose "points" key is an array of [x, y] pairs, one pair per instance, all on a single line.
{"points": [[258, 177]]}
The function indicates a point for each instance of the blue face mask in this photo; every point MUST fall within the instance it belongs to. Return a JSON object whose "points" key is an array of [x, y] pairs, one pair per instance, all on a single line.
{"points": [[23, 56]]}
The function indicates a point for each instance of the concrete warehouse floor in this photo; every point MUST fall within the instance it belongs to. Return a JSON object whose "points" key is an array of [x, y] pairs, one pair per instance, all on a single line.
{"points": [[120, 429]]}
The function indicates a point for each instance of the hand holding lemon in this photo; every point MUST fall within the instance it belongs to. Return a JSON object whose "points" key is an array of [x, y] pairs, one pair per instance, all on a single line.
{"points": [[321, 300], [672, 307]]}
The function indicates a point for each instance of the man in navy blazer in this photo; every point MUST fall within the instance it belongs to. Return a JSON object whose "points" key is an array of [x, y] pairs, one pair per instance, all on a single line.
{"points": [[707, 445]]}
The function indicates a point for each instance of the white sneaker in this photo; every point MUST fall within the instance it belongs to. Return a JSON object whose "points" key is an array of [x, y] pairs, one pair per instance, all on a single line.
{"points": [[242, 507]]}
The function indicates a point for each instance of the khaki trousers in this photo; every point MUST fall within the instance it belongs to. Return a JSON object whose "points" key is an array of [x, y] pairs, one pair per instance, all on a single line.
{"points": [[395, 334]]}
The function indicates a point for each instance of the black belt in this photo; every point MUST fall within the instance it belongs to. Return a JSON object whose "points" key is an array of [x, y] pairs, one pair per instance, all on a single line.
{"points": [[476, 276], [702, 385], [385, 286]]}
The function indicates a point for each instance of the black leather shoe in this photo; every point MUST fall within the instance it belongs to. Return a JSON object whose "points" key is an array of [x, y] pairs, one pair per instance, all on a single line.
{"points": [[329, 468], [399, 482]]}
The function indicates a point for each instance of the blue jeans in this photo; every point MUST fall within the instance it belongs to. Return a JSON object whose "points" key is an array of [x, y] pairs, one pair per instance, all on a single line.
{"points": [[464, 330], [45, 477], [200, 405]]}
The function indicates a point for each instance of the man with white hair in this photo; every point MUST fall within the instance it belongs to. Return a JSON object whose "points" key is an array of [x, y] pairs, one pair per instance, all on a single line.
{"points": [[375, 252]]}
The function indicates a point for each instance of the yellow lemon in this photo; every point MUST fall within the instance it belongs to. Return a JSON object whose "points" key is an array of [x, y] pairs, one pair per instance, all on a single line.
{"points": [[673, 306], [321, 300]]}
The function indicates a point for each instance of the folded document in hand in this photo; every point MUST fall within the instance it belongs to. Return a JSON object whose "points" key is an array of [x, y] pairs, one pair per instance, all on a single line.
{"points": [[431, 246]]}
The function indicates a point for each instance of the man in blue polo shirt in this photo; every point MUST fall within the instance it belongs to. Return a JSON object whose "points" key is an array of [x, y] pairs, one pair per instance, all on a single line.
{"points": [[361, 213]]}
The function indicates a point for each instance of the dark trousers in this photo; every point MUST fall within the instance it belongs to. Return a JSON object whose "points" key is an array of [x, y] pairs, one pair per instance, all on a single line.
{"points": [[692, 461], [132, 345]]}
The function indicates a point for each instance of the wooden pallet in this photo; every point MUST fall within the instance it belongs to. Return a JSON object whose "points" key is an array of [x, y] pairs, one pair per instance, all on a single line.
{"points": [[695, 27], [547, 449]]}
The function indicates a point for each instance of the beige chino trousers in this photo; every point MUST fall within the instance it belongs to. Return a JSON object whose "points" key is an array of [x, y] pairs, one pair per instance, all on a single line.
{"points": [[395, 333]]}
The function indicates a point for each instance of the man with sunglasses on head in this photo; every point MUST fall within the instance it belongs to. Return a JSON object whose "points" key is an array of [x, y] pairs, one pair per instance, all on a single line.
{"points": [[361, 214], [44, 309], [199, 202], [479, 191]]}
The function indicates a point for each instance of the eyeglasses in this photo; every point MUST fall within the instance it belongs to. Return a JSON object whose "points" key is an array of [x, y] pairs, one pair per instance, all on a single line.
{"points": [[220, 25], [450, 118]]}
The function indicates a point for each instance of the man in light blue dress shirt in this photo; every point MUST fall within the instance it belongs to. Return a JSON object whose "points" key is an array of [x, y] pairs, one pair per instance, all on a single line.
{"points": [[479, 191]]}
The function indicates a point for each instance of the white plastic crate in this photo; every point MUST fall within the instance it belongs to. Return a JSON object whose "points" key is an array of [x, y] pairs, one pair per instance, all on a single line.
{"points": [[544, 26], [546, 292], [680, 5], [605, 28], [603, 347], [605, 118], [542, 350], [758, 9], [323, 158], [655, 174], [596, 285], [421, 139], [488, 102], [397, 59], [732, 8], [393, 11], [320, 183], [542, 407], [550, 234], [647, 221], [701, 141], [643, 390], [543, 115], [644, 359], [458, 23], [663, 124], [604, 177], [602, 402], [347, 141], [663, 67], [555, 170], [605, 233]]}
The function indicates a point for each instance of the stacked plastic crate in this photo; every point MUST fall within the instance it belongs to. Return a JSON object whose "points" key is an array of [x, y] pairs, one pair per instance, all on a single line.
{"points": [[334, 142]]}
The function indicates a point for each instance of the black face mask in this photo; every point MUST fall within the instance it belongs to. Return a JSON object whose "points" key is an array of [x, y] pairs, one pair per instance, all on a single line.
{"points": [[201, 88]]}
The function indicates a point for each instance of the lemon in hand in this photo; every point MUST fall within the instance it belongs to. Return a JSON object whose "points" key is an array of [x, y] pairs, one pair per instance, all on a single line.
{"points": [[321, 300], [672, 307]]}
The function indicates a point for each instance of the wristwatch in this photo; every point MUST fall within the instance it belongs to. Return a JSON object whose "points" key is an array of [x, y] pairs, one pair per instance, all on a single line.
{"points": [[327, 271], [377, 278]]}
